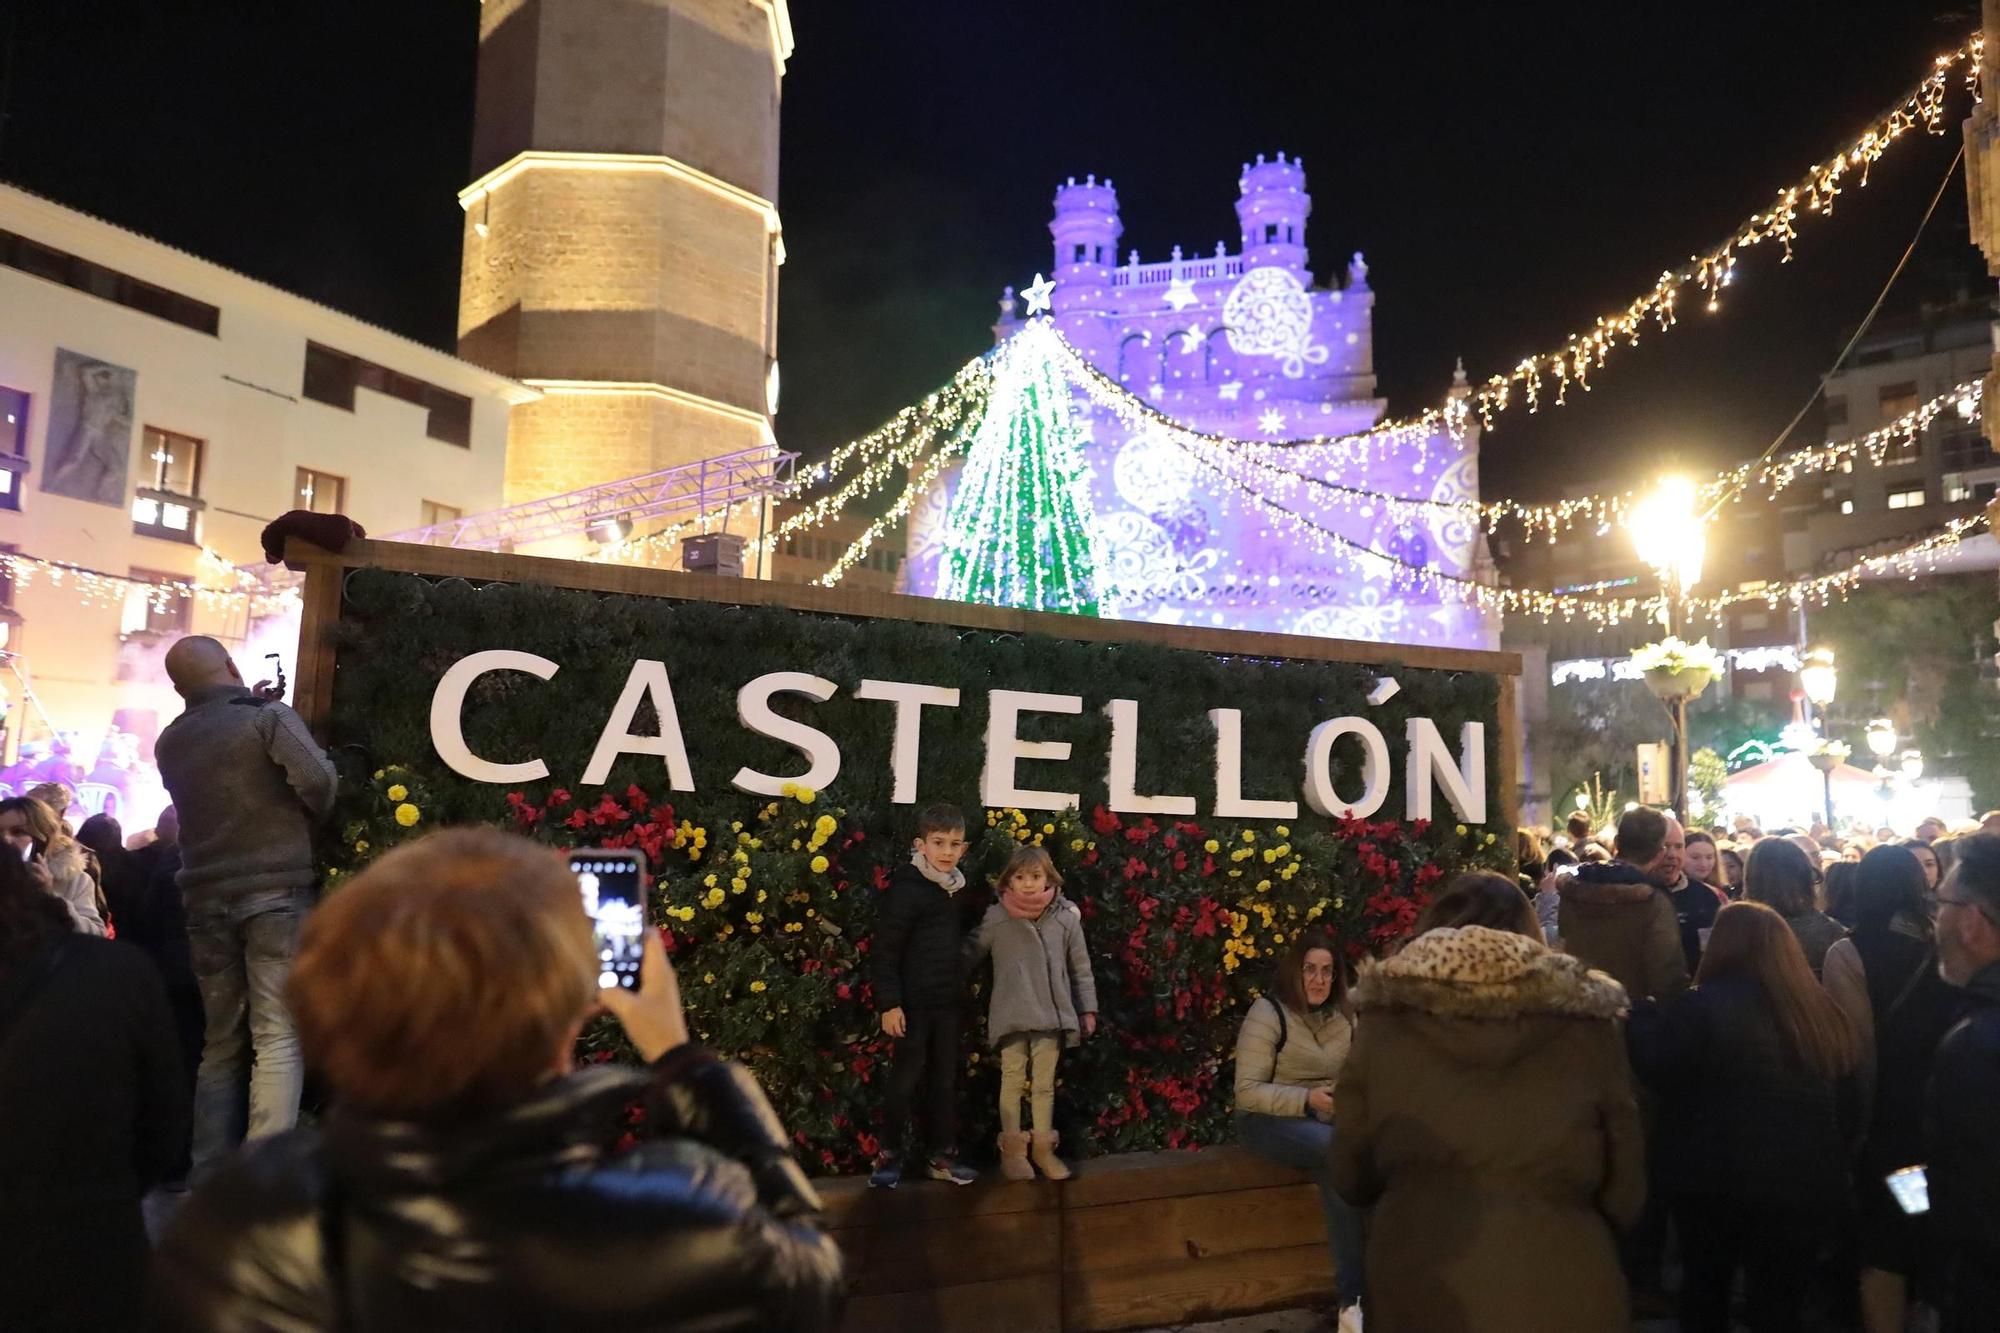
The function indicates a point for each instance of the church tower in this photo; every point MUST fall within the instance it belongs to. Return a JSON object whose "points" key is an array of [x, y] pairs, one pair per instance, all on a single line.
{"points": [[621, 242]]}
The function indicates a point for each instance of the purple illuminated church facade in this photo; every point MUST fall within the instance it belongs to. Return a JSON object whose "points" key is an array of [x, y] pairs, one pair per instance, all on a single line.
{"points": [[1244, 345]]}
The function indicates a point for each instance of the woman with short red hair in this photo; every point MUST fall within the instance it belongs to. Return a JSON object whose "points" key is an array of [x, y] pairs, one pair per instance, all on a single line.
{"points": [[467, 1177]]}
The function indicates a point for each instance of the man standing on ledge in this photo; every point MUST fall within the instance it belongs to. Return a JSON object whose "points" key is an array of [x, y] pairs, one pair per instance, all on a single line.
{"points": [[249, 783]]}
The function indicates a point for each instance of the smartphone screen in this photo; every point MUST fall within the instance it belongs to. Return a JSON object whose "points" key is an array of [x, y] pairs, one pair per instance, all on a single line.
{"points": [[1911, 1188], [614, 896]]}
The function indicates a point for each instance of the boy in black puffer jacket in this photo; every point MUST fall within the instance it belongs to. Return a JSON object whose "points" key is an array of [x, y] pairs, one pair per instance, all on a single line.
{"points": [[920, 990]]}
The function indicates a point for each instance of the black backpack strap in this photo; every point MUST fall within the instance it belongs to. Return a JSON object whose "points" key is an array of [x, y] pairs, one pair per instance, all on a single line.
{"points": [[1284, 1033]]}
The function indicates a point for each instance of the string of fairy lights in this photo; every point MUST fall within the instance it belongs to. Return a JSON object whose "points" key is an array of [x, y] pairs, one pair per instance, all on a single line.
{"points": [[96, 587]]}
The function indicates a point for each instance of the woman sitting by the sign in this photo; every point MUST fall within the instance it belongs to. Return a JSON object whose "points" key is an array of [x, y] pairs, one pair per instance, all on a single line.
{"points": [[1288, 1057], [466, 1177]]}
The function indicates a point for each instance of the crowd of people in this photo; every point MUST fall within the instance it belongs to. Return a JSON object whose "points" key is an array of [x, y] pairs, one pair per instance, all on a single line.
{"points": [[1666, 1060], [1561, 1080]]}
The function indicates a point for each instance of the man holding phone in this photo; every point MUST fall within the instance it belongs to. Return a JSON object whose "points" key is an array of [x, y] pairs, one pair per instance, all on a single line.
{"points": [[1964, 1120], [249, 783]]}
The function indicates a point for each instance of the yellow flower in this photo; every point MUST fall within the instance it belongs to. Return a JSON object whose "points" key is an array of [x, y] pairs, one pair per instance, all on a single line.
{"points": [[379, 773], [807, 795], [360, 847], [824, 826], [708, 881], [761, 895], [708, 978], [712, 899], [1048, 828], [1212, 845], [1076, 844], [1461, 830], [1249, 835], [1263, 886], [1284, 832], [819, 865], [754, 918], [398, 792], [407, 815], [758, 988], [1270, 855], [789, 789]]}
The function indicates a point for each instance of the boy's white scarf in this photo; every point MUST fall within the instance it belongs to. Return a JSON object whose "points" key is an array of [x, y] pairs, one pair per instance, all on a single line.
{"points": [[951, 881]]}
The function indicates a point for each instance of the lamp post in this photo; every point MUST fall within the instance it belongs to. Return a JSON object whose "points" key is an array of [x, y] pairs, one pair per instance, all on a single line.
{"points": [[1668, 534], [1881, 738], [1818, 677], [1912, 764]]}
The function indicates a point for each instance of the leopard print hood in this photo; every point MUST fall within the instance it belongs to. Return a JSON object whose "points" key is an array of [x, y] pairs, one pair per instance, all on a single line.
{"points": [[1472, 972]]}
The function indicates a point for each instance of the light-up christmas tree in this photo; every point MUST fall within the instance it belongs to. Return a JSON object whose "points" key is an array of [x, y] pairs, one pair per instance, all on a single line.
{"points": [[1019, 528]]}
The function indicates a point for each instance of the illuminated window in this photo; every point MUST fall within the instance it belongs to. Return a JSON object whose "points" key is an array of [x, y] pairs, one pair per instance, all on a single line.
{"points": [[435, 513], [152, 608], [320, 492], [13, 445], [170, 486], [47, 262], [1907, 497]]}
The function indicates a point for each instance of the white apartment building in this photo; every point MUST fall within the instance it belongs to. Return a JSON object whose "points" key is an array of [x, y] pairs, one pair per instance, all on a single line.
{"points": [[156, 411]]}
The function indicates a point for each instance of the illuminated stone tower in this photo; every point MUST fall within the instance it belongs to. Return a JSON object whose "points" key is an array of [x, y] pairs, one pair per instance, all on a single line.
{"points": [[621, 233]]}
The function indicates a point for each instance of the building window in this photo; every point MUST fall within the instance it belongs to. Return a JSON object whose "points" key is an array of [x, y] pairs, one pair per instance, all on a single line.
{"points": [[1895, 400], [1964, 448], [1082, 253], [153, 610], [320, 492], [1836, 411], [13, 445], [435, 513], [1842, 500], [1270, 233], [1907, 497], [1904, 449], [168, 499], [45, 261], [7, 579], [331, 377]]}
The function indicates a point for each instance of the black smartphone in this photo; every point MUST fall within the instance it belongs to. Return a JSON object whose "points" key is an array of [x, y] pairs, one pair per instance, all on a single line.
{"points": [[613, 884]]}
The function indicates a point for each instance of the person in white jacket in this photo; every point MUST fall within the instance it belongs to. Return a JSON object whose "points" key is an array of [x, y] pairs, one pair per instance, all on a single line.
{"points": [[34, 833], [1289, 1052]]}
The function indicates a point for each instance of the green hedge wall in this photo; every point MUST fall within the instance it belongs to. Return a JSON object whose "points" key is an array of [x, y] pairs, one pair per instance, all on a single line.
{"points": [[781, 892]]}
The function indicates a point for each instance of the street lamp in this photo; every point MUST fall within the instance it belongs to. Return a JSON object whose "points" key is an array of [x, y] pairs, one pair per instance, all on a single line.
{"points": [[1912, 764], [1882, 737], [1668, 535], [1817, 677], [1668, 532]]}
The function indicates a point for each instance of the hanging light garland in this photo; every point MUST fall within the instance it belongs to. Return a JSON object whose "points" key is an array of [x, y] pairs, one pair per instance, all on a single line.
{"points": [[95, 587]]}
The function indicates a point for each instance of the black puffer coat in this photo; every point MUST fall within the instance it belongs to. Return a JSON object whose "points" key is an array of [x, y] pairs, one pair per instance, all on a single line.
{"points": [[1964, 1159], [916, 957], [525, 1220]]}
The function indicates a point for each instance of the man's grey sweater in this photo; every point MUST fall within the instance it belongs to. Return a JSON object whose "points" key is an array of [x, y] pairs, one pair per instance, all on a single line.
{"points": [[249, 783]]}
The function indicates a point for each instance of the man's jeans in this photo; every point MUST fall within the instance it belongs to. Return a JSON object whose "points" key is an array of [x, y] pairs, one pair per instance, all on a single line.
{"points": [[242, 950], [1306, 1145]]}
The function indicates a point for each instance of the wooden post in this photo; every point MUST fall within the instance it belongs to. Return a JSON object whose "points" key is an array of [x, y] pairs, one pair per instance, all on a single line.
{"points": [[1510, 750], [319, 618]]}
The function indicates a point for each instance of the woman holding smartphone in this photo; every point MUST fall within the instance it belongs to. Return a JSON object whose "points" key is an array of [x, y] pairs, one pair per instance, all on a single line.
{"points": [[467, 1176], [35, 834]]}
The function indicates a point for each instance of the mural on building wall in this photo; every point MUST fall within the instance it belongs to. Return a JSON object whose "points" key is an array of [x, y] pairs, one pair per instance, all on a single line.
{"points": [[90, 429], [1246, 346]]}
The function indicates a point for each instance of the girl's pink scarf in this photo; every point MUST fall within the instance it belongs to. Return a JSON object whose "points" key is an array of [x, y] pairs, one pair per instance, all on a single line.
{"points": [[1027, 906]]}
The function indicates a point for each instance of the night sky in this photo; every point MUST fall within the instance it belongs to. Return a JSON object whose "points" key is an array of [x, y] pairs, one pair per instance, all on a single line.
{"points": [[1511, 171]]}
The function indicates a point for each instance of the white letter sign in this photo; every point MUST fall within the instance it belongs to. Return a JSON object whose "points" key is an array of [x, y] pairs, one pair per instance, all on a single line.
{"points": [[753, 709], [1320, 794], [1124, 774], [1229, 802], [1464, 780], [647, 679], [1005, 748], [448, 722], [903, 750]]}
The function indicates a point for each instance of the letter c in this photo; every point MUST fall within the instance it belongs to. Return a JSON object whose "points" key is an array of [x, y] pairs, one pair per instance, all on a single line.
{"points": [[448, 706]]}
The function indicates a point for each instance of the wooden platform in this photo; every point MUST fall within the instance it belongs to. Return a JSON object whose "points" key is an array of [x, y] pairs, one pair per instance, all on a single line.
{"points": [[1133, 1241]]}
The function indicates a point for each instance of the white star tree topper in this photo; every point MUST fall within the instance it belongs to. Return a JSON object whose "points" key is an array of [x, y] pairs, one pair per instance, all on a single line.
{"points": [[1038, 293]]}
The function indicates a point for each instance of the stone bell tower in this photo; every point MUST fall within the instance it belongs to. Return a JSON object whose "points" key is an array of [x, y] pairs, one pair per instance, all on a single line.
{"points": [[621, 242]]}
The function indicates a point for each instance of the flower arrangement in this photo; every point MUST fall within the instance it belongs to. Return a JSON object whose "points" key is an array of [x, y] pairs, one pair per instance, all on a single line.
{"points": [[768, 921], [1674, 656]]}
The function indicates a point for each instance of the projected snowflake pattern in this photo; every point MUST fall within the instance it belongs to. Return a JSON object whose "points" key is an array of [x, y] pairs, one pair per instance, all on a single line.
{"points": [[1268, 313]]}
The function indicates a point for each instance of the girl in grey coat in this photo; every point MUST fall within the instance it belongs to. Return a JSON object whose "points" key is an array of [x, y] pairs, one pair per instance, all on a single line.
{"points": [[1043, 996]]}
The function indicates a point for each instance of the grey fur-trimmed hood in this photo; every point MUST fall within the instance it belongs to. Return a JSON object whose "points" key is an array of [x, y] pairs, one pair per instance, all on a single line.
{"points": [[1472, 972]]}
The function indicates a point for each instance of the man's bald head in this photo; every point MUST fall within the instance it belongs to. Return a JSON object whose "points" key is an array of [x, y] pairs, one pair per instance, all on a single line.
{"points": [[197, 663]]}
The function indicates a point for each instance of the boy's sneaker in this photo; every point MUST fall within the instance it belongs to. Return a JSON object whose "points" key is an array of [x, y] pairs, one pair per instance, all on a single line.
{"points": [[888, 1172], [945, 1167]]}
